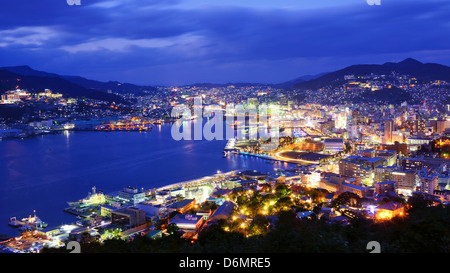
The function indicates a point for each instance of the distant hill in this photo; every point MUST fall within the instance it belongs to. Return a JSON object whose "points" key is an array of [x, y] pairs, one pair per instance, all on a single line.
{"points": [[294, 82], [237, 84], [412, 67], [25, 70], [93, 85], [37, 81], [113, 86]]}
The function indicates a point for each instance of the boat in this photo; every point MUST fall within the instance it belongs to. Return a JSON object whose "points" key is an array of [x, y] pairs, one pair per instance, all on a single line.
{"points": [[93, 198], [30, 223], [34, 222]]}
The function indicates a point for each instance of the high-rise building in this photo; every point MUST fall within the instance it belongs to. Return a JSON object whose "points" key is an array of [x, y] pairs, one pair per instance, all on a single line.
{"points": [[388, 128]]}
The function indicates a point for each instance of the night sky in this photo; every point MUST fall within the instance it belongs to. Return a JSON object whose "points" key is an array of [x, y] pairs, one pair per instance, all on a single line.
{"points": [[174, 42]]}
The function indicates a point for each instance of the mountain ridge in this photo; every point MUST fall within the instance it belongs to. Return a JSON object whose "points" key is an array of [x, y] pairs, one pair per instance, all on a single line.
{"points": [[409, 66], [39, 81]]}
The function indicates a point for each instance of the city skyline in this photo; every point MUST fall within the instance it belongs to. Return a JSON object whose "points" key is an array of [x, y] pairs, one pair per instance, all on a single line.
{"points": [[227, 126], [186, 42]]}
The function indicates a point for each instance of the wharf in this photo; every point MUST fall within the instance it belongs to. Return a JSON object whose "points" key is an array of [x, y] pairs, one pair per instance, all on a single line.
{"points": [[76, 212]]}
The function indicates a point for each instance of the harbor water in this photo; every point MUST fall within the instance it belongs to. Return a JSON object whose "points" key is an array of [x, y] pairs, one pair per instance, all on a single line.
{"points": [[43, 173]]}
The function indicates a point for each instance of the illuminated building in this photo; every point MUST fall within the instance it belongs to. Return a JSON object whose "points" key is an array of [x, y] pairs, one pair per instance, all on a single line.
{"points": [[252, 101], [416, 140], [389, 210], [128, 216], [338, 183], [358, 190], [389, 156], [368, 153], [106, 210], [399, 148], [310, 145], [313, 179], [182, 206], [411, 163], [131, 196], [416, 126], [350, 166], [341, 120], [187, 222], [223, 212], [388, 128], [48, 93], [333, 145], [383, 173], [352, 131], [427, 183], [13, 96], [95, 220], [441, 125], [385, 187], [253, 175], [437, 164], [442, 142], [444, 195], [406, 181]]}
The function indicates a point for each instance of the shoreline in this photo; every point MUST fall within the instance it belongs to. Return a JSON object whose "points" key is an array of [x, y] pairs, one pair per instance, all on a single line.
{"points": [[292, 161], [193, 181]]}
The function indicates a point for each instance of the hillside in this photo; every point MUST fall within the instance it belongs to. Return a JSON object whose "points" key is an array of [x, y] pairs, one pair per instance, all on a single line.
{"points": [[38, 83], [411, 67]]}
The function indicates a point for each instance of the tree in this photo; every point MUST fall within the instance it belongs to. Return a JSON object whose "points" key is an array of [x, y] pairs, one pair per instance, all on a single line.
{"points": [[259, 225], [286, 220], [160, 223], [416, 203], [281, 190], [345, 198], [317, 195], [348, 147], [172, 229], [283, 203]]}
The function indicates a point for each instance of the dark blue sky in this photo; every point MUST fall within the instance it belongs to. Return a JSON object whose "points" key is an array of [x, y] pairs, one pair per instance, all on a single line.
{"points": [[170, 42]]}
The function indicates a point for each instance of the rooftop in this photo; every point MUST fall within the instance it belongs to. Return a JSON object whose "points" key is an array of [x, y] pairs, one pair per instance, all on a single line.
{"points": [[391, 206], [181, 204]]}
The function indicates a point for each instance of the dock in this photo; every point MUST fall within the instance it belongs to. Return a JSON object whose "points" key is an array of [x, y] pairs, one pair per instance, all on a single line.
{"points": [[76, 212]]}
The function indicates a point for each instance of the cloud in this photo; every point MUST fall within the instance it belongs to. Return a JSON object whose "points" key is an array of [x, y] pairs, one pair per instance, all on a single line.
{"points": [[28, 36], [123, 45], [222, 39]]}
